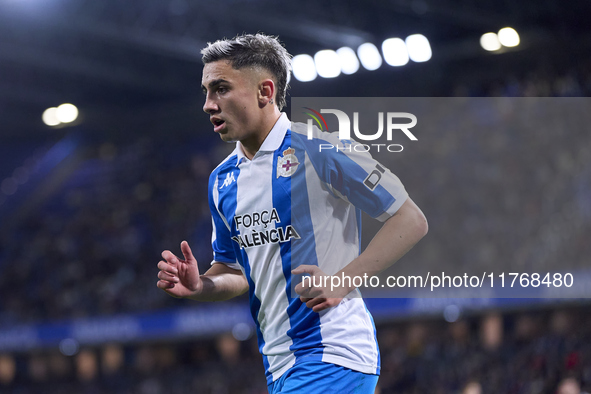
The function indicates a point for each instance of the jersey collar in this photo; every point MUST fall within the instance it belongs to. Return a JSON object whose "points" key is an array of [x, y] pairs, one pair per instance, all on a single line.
{"points": [[271, 143]]}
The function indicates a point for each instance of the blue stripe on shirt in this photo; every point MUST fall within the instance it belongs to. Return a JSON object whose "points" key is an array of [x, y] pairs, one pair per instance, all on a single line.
{"points": [[290, 197], [255, 307], [223, 246]]}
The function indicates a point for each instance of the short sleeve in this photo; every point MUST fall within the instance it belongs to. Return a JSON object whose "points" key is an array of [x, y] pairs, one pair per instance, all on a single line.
{"points": [[354, 175]]}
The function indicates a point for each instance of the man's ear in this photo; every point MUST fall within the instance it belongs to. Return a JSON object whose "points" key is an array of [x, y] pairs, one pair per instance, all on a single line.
{"points": [[266, 92]]}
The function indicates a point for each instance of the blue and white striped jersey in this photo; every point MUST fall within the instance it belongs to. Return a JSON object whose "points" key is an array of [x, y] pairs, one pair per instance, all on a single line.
{"points": [[293, 204]]}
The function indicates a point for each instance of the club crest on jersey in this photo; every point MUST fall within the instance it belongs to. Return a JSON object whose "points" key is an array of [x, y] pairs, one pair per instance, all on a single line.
{"points": [[287, 164]]}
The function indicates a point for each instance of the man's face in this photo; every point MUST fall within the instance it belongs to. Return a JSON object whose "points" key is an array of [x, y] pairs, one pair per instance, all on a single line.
{"points": [[231, 100]]}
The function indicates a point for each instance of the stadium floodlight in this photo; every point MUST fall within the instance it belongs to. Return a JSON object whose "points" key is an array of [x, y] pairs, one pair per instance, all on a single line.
{"points": [[328, 63], [490, 42], [66, 113], [49, 117], [508, 37], [349, 61], [395, 52], [369, 56], [304, 69], [419, 49]]}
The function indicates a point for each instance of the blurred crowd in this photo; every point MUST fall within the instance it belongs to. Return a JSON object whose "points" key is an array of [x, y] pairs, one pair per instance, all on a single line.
{"points": [[92, 247], [511, 180], [544, 351], [529, 352], [541, 80]]}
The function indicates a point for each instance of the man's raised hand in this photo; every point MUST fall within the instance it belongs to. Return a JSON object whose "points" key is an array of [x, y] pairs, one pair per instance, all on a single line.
{"points": [[177, 277]]}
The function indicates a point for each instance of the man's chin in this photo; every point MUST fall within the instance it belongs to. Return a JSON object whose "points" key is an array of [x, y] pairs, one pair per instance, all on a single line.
{"points": [[227, 138]]}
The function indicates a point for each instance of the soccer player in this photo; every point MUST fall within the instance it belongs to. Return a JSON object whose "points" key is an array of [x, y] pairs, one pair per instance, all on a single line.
{"points": [[280, 209]]}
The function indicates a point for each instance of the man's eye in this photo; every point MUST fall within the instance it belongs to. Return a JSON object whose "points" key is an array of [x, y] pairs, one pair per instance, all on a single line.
{"points": [[222, 90]]}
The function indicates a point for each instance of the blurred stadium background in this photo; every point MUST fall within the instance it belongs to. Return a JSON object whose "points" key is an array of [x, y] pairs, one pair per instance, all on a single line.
{"points": [[88, 204]]}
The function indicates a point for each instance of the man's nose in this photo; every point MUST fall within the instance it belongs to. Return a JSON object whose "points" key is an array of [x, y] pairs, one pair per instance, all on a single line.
{"points": [[210, 106]]}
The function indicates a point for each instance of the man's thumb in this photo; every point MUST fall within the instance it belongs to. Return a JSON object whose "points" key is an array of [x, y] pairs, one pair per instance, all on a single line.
{"points": [[186, 249]]}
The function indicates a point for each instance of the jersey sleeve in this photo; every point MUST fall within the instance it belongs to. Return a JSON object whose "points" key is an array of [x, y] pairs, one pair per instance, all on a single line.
{"points": [[354, 175], [221, 239]]}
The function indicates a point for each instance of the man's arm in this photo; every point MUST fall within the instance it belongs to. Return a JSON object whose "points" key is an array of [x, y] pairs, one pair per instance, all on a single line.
{"points": [[181, 278], [396, 237], [221, 283]]}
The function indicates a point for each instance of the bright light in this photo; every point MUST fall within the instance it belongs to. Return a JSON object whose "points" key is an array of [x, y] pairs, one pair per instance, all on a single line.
{"points": [[490, 42], [66, 113], [349, 62], [508, 37], [303, 68], [395, 53], [327, 63], [50, 117], [418, 47], [369, 56]]}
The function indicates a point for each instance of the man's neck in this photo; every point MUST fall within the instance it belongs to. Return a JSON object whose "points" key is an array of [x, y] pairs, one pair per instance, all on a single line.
{"points": [[251, 147]]}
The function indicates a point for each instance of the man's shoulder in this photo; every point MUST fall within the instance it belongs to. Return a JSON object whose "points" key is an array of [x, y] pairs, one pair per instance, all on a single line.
{"points": [[311, 137]]}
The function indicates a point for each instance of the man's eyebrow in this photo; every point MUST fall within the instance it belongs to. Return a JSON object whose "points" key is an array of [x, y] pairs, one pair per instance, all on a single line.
{"points": [[213, 83]]}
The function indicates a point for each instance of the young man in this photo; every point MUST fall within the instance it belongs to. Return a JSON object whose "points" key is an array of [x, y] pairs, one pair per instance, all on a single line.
{"points": [[281, 208]]}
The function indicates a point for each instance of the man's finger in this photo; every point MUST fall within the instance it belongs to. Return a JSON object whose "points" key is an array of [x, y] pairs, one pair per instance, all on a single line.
{"points": [[304, 269], [167, 277], [321, 307], [186, 249], [315, 301], [164, 285], [308, 292], [170, 257], [302, 291], [166, 267], [328, 303]]}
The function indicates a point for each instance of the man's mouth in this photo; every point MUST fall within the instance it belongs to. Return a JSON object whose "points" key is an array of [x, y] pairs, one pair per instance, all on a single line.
{"points": [[218, 124]]}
